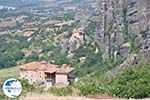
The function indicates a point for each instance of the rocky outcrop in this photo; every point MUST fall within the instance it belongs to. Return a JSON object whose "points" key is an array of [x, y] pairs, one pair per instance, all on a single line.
{"points": [[69, 45], [131, 60], [111, 26], [123, 24], [119, 19], [120, 24], [139, 15], [76, 40], [123, 51], [145, 50]]}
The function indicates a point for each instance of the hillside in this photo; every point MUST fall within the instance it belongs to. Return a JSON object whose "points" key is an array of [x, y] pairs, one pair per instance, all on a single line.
{"points": [[107, 42], [8, 73], [131, 83]]}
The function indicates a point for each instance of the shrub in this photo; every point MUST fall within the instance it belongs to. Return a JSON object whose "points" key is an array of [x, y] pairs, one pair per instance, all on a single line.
{"points": [[90, 29], [26, 86], [33, 57], [91, 89], [61, 91], [134, 48], [7, 61], [133, 83]]}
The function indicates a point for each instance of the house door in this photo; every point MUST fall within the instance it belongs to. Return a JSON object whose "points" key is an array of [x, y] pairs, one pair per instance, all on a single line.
{"points": [[49, 83]]}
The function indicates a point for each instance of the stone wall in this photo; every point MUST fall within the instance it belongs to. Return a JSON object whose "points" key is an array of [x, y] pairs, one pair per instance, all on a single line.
{"points": [[61, 80], [33, 76]]}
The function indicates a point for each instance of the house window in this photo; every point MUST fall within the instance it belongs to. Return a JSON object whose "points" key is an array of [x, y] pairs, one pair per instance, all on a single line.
{"points": [[80, 33]]}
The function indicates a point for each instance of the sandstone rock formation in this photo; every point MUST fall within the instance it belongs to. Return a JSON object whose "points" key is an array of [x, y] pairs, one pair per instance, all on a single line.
{"points": [[119, 19], [72, 43], [123, 24]]}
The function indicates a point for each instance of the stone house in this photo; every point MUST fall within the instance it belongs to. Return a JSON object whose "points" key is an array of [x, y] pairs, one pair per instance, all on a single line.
{"points": [[46, 74]]}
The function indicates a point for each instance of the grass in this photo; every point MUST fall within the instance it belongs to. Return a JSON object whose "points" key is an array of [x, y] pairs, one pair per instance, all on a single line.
{"points": [[34, 96], [7, 73]]}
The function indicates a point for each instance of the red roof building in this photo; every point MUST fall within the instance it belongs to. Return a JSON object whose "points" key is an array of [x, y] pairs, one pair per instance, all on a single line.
{"points": [[46, 74]]}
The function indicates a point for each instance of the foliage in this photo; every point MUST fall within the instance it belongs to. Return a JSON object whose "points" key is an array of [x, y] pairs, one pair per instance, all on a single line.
{"points": [[7, 61], [133, 83], [26, 86], [94, 63], [60, 58], [69, 15], [143, 33], [93, 60], [90, 29], [61, 91], [126, 25], [11, 50], [91, 89], [134, 48], [33, 57], [29, 88]]}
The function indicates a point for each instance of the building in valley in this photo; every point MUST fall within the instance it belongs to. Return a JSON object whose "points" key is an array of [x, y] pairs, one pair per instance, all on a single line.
{"points": [[46, 74]]}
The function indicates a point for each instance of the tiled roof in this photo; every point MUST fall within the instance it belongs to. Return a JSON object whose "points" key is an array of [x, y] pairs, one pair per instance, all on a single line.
{"points": [[40, 66], [64, 69], [46, 67]]}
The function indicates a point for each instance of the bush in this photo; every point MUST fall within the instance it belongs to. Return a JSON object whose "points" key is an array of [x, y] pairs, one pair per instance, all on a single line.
{"points": [[7, 61], [26, 86], [61, 91], [90, 29], [91, 89], [133, 83], [11, 50], [33, 57], [69, 16], [134, 48]]}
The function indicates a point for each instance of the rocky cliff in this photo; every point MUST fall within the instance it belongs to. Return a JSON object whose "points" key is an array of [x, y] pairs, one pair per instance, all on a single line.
{"points": [[122, 22], [122, 28]]}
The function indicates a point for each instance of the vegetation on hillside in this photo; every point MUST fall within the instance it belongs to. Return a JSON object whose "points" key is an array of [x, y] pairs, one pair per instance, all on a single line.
{"points": [[11, 50], [6, 74], [44, 45], [132, 83]]}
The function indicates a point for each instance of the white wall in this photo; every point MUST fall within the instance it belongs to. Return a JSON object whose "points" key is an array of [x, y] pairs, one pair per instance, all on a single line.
{"points": [[62, 78]]}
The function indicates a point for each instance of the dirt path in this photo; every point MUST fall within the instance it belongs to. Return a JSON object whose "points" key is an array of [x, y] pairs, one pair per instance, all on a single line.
{"points": [[102, 96], [51, 97]]}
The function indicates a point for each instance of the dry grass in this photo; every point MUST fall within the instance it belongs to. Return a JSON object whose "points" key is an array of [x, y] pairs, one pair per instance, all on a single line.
{"points": [[48, 22], [65, 23], [8, 73], [34, 96]]}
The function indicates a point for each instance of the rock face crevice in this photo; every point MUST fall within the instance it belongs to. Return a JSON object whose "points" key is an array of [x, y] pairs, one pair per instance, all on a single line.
{"points": [[119, 20], [124, 27]]}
